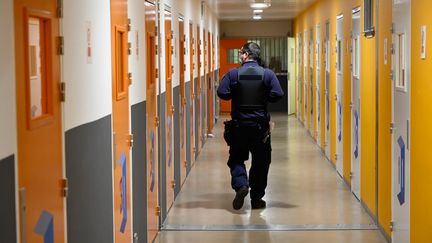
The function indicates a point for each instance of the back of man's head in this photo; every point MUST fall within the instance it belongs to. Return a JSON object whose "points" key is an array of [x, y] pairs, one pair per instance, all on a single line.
{"points": [[253, 50]]}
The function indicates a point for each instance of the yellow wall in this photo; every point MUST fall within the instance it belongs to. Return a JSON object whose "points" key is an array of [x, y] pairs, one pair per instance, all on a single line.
{"points": [[421, 103], [384, 117], [320, 12]]}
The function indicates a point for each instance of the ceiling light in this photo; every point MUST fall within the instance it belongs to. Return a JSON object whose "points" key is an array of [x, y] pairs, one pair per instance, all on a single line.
{"points": [[257, 16], [260, 5], [258, 11]]}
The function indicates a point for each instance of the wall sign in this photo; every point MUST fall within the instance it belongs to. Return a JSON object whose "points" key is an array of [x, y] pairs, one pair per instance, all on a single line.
{"points": [[423, 42]]}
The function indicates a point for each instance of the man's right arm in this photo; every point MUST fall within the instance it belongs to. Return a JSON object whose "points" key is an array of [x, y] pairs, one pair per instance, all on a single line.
{"points": [[224, 89]]}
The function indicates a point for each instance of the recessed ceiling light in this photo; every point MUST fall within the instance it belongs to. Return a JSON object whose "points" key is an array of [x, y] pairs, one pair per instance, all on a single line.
{"points": [[257, 16], [260, 5], [258, 10]]}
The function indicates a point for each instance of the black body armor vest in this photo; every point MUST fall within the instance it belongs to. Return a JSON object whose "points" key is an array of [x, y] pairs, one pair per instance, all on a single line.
{"points": [[251, 92]]}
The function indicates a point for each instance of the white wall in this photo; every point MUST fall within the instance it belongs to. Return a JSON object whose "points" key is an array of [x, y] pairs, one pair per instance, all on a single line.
{"points": [[137, 63], [255, 28], [7, 81], [88, 85]]}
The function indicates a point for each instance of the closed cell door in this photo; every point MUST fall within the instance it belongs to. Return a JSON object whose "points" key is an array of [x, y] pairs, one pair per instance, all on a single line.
{"points": [[299, 77], [338, 98], [401, 121], [318, 84], [169, 68], [182, 101], [292, 97], [153, 209], [39, 127], [327, 90], [198, 96], [192, 113], [305, 78], [229, 58], [355, 103], [122, 139], [311, 84]]}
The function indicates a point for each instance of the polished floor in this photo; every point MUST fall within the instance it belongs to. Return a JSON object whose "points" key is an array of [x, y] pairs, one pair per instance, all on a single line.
{"points": [[307, 201]]}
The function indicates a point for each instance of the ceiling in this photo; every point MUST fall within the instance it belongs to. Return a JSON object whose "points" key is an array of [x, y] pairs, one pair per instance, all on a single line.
{"points": [[228, 10]]}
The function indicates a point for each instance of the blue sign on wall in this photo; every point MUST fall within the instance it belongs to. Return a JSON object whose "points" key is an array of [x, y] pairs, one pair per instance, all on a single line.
{"points": [[45, 227], [401, 160], [123, 192]]}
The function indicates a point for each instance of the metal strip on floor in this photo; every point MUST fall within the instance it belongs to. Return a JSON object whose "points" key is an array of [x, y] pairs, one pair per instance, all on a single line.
{"points": [[269, 227]]}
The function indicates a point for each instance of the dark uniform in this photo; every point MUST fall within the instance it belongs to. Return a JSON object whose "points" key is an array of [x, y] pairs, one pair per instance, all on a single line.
{"points": [[250, 87]]}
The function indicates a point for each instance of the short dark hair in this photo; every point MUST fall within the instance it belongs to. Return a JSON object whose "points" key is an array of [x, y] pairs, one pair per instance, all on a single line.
{"points": [[253, 50]]}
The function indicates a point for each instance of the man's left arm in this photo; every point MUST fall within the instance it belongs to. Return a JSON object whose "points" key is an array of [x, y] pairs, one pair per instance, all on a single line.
{"points": [[224, 89], [276, 91]]}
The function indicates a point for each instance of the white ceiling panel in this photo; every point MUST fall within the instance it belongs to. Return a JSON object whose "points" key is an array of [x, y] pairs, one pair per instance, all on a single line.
{"points": [[240, 10]]}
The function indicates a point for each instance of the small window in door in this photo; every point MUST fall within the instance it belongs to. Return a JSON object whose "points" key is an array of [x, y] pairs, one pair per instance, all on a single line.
{"points": [[233, 56], [356, 57], [39, 77], [400, 71], [339, 55], [121, 61]]}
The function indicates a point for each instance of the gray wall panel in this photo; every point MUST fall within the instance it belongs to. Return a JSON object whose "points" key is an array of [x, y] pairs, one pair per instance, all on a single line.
{"points": [[89, 170], [162, 156], [139, 171], [188, 126], [176, 103], [7, 200]]}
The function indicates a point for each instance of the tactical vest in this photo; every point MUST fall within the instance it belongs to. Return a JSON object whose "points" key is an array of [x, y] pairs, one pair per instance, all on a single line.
{"points": [[251, 92]]}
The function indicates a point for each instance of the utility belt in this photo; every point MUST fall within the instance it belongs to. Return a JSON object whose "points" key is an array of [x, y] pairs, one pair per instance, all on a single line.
{"points": [[231, 125]]}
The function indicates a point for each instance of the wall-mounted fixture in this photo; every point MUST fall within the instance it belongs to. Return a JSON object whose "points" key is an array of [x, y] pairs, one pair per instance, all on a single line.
{"points": [[260, 4]]}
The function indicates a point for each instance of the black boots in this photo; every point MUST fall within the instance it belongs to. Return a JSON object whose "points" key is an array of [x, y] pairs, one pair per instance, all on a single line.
{"points": [[239, 198], [258, 204]]}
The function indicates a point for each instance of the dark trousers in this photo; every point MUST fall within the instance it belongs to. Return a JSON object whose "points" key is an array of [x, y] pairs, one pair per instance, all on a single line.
{"points": [[250, 138]]}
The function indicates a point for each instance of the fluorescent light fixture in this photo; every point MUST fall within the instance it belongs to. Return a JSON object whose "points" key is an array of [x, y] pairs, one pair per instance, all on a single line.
{"points": [[257, 16], [260, 5], [258, 11]]}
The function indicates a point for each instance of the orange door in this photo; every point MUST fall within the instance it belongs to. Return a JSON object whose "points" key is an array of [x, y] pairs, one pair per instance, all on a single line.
{"points": [[152, 122], [122, 137], [192, 94], [182, 102], [40, 169], [210, 85], [228, 60], [169, 111], [198, 95]]}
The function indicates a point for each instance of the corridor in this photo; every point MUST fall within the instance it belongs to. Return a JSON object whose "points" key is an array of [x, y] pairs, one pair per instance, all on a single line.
{"points": [[307, 201]]}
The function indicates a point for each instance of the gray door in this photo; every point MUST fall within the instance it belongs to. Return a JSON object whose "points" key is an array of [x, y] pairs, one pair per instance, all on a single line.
{"points": [[355, 103], [327, 90], [339, 94], [401, 120]]}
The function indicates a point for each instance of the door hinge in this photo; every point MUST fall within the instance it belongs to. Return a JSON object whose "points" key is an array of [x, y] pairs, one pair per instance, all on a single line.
{"points": [[156, 121], [60, 45], [392, 49], [130, 140], [62, 92], [157, 210], [392, 226], [184, 67], [59, 8], [392, 28], [129, 48], [172, 69], [173, 184], [336, 157], [156, 31], [194, 149], [351, 105], [157, 73], [172, 109], [130, 78], [336, 97], [351, 174], [156, 50], [129, 25], [65, 187], [391, 75], [185, 163], [392, 127]]}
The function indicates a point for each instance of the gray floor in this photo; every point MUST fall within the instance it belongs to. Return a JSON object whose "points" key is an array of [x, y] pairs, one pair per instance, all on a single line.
{"points": [[306, 199]]}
